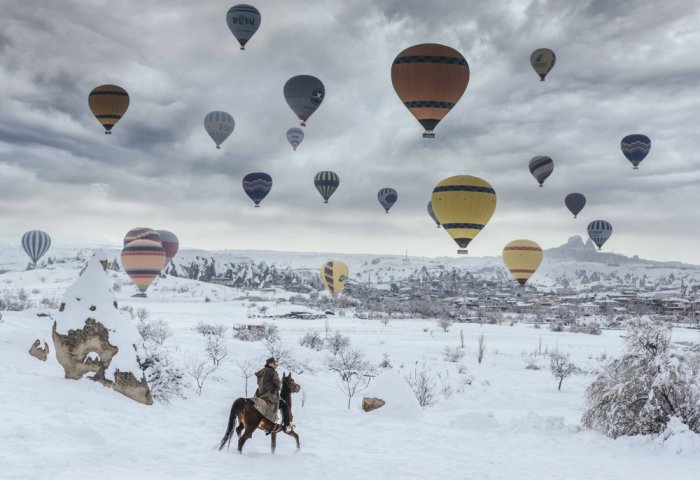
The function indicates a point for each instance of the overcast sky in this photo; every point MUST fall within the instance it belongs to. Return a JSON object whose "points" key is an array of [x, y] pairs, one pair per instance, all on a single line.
{"points": [[622, 67]]}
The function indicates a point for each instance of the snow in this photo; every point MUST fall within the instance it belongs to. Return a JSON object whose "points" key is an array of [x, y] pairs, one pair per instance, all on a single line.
{"points": [[400, 401], [501, 421]]}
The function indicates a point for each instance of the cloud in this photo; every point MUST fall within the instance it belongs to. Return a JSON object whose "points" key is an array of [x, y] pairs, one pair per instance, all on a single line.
{"points": [[622, 67]]}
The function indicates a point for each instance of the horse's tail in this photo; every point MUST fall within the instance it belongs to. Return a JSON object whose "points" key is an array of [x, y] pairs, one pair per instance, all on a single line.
{"points": [[236, 408]]}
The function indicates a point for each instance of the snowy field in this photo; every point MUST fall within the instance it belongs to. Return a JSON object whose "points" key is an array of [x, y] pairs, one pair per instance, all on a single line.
{"points": [[501, 421]]}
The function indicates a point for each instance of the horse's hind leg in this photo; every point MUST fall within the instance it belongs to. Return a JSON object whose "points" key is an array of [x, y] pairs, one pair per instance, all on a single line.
{"points": [[249, 429], [273, 441], [239, 429], [292, 433]]}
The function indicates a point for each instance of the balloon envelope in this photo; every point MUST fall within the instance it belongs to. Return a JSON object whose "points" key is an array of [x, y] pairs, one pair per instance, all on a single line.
{"points": [[35, 244], [294, 136], [304, 95], [463, 204], [257, 185], [432, 214], [143, 260], [575, 202], [243, 21], [542, 60], [108, 103], [170, 244], [541, 168], [635, 147], [219, 125], [334, 276], [599, 231], [326, 183], [387, 198], [522, 258], [141, 233], [429, 79]]}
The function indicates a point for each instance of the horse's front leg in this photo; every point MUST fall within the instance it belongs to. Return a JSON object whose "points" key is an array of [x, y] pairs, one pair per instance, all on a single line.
{"points": [[273, 441]]}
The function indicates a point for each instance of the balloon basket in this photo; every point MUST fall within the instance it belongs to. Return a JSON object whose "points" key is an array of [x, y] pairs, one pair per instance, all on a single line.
{"points": [[108, 132], [218, 147], [139, 295], [462, 252], [428, 134], [635, 168]]}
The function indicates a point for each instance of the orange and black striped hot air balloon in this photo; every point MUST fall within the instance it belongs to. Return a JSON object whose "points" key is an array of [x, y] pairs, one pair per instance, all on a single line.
{"points": [[108, 103], [143, 260], [430, 79]]}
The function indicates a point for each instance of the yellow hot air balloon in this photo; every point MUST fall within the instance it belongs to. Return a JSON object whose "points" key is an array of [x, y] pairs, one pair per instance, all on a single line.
{"points": [[143, 260], [522, 257], [463, 205], [334, 276]]}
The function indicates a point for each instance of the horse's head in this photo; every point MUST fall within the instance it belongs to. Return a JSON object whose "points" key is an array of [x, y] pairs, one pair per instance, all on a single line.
{"points": [[293, 386]]}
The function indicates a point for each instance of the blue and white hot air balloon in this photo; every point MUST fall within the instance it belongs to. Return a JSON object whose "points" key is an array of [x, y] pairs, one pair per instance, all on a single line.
{"points": [[635, 147], [599, 231], [387, 198], [257, 185]]}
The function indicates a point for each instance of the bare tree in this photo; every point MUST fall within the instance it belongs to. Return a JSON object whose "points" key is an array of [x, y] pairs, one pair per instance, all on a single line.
{"points": [[199, 369], [385, 319], [278, 350], [481, 348], [216, 349], [445, 323], [142, 314], [561, 367], [246, 369], [354, 370]]}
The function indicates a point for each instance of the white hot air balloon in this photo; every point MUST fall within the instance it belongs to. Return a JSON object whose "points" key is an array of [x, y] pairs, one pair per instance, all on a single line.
{"points": [[294, 136], [219, 125]]}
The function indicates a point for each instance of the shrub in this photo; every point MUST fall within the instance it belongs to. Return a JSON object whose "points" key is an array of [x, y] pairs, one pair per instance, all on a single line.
{"points": [[210, 329], [153, 331], [165, 379], [453, 355], [648, 386], [423, 385], [337, 343], [312, 340]]}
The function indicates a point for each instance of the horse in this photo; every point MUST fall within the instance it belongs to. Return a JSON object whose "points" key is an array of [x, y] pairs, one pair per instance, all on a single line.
{"points": [[249, 418]]}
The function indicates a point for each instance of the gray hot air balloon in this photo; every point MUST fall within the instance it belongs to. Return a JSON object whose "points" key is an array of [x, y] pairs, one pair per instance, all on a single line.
{"points": [[575, 203], [541, 168], [294, 136], [219, 125], [432, 214], [36, 243], [243, 21], [304, 95], [599, 231], [387, 198]]}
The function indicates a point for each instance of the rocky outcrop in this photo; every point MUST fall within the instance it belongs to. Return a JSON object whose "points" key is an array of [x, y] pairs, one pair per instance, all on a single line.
{"points": [[92, 337], [40, 350], [371, 403]]}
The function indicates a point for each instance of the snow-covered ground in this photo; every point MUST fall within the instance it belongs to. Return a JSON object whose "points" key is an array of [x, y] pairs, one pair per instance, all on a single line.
{"points": [[501, 421]]}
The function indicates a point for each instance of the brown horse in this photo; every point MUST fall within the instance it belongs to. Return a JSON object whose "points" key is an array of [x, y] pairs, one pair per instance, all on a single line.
{"points": [[250, 419]]}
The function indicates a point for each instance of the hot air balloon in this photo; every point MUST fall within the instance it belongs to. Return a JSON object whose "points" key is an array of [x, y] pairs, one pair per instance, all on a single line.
{"points": [[599, 231], [541, 168], [334, 276], [387, 198], [294, 136], [108, 103], [575, 203], [463, 204], [304, 95], [143, 260], [257, 185], [219, 125], [635, 147], [326, 183], [243, 21], [429, 79], [522, 258], [542, 60], [432, 214], [141, 233], [170, 244], [36, 243]]}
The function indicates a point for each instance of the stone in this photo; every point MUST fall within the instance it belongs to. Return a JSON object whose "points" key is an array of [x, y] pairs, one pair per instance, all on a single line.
{"points": [[39, 350], [371, 403]]}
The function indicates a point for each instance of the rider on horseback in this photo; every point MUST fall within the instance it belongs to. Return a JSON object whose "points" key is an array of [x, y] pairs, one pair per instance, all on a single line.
{"points": [[269, 385]]}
